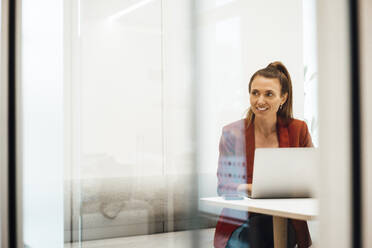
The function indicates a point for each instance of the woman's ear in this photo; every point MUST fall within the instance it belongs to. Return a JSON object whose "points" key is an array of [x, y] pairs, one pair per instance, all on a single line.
{"points": [[284, 98]]}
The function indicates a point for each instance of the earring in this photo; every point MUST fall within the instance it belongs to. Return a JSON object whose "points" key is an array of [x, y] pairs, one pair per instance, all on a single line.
{"points": [[281, 106]]}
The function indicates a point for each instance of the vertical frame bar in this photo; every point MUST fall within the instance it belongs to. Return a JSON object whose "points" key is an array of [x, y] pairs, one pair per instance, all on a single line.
{"points": [[335, 139], [4, 201], [19, 122], [12, 144], [365, 53], [15, 182], [355, 125], [195, 78], [67, 91]]}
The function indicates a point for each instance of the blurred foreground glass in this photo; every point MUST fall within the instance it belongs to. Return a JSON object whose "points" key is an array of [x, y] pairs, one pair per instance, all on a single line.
{"points": [[132, 169], [117, 132], [43, 122]]}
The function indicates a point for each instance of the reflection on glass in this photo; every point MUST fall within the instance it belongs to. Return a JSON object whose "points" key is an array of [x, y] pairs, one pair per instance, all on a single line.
{"points": [[127, 114], [132, 146], [118, 133]]}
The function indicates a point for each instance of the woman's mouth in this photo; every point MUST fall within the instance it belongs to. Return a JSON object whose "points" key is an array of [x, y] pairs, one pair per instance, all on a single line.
{"points": [[261, 108]]}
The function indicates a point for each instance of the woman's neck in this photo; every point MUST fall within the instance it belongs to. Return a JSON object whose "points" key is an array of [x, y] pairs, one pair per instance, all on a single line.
{"points": [[265, 126]]}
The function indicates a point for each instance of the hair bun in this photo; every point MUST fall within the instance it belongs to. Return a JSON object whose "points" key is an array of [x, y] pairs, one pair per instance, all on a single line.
{"points": [[280, 67]]}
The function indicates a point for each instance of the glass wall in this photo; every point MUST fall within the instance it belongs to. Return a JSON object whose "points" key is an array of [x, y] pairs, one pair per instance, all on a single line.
{"points": [[43, 122], [234, 40], [131, 168], [124, 104]]}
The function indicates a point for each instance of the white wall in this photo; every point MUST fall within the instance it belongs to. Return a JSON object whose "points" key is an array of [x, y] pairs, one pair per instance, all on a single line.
{"points": [[42, 89], [120, 82]]}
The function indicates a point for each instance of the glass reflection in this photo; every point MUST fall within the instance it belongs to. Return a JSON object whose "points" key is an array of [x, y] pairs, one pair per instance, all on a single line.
{"points": [[133, 101]]}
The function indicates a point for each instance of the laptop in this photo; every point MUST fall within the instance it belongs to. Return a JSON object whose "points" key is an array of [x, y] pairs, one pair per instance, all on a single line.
{"points": [[284, 172]]}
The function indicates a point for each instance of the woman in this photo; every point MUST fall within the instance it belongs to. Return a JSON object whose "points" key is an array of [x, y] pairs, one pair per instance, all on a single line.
{"points": [[269, 123]]}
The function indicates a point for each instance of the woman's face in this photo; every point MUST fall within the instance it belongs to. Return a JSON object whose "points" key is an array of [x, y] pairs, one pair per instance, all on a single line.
{"points": [[265, 97]]}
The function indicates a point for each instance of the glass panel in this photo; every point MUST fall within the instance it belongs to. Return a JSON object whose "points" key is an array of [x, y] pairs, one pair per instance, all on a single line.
{"points": [[124, 104], [118, 131], [132, 147], [119, 115], [42, 117], [234, 40]]}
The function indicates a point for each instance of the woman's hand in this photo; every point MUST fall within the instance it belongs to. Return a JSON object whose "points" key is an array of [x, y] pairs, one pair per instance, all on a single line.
{"points": [[245, 188]]}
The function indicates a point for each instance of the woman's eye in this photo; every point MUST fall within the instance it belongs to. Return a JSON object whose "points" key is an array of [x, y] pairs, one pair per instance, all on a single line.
{"points": [[269, 94], [255, 93]]}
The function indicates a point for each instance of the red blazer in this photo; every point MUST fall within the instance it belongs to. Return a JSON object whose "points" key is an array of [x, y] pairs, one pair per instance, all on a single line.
{"points": [[235, 166]]}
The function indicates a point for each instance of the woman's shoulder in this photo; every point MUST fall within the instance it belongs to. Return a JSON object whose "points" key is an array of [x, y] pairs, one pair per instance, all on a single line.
{"points": [[235, 126], [294, 126], [296, 123], [298, 128]]}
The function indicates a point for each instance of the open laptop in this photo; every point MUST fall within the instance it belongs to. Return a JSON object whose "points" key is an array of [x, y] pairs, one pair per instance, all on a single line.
{"points": [[284, 172]]}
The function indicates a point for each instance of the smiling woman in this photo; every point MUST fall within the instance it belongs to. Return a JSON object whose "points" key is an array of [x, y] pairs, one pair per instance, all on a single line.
{"points": [[269, 123]]}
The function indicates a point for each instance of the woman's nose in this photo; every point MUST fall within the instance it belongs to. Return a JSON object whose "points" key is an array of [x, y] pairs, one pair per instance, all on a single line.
{"points": [[261, 99]]}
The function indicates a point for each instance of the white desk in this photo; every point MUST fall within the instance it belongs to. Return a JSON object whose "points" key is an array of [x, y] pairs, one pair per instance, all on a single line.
{"points": [[280, 209]]}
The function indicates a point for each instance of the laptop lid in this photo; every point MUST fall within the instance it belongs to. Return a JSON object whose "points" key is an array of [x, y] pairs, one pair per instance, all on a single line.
{"points": [[284, 172]]}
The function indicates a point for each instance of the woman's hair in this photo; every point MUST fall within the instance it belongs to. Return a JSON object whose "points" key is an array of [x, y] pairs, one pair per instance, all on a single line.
{"points": [[276, 70]]}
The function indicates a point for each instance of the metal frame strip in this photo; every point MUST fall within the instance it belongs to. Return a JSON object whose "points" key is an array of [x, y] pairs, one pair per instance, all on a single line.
{"points": [[4, 205]]}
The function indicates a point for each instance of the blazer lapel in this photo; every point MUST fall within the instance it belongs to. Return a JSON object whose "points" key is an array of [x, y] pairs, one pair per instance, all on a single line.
{"points": [[283, 135], [249, 148]]}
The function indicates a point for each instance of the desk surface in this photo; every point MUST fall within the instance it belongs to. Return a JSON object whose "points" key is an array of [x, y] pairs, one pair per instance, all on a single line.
{"points": [[293, 208]]}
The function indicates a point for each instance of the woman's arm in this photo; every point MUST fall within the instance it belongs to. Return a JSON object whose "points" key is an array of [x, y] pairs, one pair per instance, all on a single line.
{"points": [[231, 172]]}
